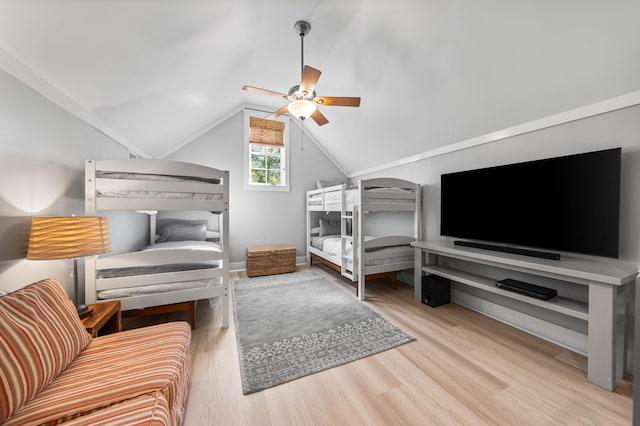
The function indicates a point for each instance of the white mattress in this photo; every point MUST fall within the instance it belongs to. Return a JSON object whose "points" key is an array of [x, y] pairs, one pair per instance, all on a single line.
{"points": [[333, 199], [164, 287], [331, 244], [156, 194]]}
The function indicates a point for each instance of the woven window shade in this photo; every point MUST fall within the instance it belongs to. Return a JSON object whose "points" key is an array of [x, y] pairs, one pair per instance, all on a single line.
{"points": [[266, 132], [65, 237]]}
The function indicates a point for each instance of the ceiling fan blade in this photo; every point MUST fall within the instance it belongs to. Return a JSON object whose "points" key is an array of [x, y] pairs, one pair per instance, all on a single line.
{"points": [[278, 113], [264, 91], [320, 119], [337, 101], [310, 78]]}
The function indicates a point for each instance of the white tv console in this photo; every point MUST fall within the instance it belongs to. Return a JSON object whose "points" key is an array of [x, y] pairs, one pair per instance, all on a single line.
{"points": [[605, 311]]}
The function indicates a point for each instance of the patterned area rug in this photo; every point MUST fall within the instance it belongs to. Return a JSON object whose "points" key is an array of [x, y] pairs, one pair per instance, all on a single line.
{"points": [[292, 325]]}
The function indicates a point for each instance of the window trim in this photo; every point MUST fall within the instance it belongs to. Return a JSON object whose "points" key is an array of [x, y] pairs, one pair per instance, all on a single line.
{"points": [[247, 185]]}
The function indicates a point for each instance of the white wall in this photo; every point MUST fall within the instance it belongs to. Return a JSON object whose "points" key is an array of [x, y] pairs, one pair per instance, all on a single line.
{"points": [[42, 153], [620, 128], [262, 217]]}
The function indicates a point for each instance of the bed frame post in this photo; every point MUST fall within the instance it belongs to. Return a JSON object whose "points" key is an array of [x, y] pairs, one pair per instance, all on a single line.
{"points": [[89, 187], [152, 228], [90, 210], [225, 253], [308, 229], [358, 250], [417, 214]]}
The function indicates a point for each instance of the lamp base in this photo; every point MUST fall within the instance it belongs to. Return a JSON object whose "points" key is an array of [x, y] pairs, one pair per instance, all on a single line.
{"points": [[83, 310]]}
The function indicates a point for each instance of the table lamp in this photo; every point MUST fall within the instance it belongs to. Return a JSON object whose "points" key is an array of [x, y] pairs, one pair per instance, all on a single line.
{"points": [[68, 237]]}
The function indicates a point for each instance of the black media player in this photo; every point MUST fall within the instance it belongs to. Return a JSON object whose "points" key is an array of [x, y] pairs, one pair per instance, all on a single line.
{"points": [[527, 289]]}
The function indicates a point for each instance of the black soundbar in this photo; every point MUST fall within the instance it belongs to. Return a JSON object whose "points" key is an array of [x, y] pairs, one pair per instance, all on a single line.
{"points": [[513, 250]]}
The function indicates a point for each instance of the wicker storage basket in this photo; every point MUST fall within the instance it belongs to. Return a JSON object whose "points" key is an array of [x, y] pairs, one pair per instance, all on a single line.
{"points": [[269, 260]]}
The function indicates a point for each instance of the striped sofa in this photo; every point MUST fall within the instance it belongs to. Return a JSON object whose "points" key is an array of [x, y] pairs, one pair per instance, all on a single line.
{"points": [[53, 372]]}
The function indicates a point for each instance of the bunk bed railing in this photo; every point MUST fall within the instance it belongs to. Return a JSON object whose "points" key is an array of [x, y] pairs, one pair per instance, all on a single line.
{"points": [[106, 184], [159, 167], [388, 183], [177, 296], [146, 204], [395, 194], [388, 194], [166, 277], [326, 199], [388, 207], [376, 269], [157, 257], [394, 240]]}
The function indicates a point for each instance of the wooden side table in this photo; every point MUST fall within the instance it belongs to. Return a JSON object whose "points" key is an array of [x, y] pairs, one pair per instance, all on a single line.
{"points": [[103, 313]]}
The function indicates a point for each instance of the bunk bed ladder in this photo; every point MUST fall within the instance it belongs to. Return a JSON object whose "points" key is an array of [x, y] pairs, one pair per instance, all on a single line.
{"points": [[347, 238]]}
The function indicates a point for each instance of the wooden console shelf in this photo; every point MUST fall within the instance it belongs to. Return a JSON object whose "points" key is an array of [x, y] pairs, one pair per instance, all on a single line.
{"points": [[604, 312]]}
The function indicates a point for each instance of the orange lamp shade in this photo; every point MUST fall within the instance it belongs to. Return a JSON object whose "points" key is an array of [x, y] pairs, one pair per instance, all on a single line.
{"points": [[65, 237]]}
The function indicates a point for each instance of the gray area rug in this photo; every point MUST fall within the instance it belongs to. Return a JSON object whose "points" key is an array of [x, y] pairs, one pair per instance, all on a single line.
{"points": [[292, 325]]}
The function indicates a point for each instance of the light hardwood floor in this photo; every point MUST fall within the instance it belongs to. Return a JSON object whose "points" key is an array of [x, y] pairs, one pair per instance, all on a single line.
{"points": [[463, 368]]}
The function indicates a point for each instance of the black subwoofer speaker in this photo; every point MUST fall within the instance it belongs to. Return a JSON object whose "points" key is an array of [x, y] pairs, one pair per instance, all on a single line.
{"points": [[436, 290]]}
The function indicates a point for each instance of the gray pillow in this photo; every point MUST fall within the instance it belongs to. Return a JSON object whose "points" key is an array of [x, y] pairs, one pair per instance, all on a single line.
{"points": [[182, 232], [329, 227]]}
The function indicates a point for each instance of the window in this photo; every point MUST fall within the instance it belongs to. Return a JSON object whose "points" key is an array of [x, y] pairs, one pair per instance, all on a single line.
{"points": [[265, 153], [265, 164]]}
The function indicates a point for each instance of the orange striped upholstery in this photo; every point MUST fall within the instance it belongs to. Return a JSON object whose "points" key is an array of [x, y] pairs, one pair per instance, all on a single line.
{"points": [[40, 334], [115, 368], [145, 410]]}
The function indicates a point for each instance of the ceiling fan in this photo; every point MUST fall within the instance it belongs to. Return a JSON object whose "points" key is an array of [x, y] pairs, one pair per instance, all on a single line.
{"points": [[304, 101]]}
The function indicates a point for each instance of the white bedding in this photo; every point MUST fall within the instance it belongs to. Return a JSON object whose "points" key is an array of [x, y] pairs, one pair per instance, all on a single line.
{"points": [[166, 287], [156, 194], [333, 199], [331, 244]]}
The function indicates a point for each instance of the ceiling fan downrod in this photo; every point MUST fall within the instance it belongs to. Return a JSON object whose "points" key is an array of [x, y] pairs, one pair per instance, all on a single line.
{"points": [[302, 28]]}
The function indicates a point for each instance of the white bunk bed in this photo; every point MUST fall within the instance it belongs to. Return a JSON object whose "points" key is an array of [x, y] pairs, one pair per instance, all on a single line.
{"points": [[347, 249], [170, 275]]}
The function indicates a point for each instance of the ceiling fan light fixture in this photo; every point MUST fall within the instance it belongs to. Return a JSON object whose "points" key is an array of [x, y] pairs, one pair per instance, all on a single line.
{"points": [[304, 102], [302, 108]]}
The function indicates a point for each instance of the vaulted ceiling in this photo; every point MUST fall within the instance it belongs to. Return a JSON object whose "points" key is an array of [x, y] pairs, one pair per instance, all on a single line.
{"points": [[429, 72]]}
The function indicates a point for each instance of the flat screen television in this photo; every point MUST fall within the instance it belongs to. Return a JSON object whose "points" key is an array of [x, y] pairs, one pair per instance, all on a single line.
{"points": [[569, 203]]}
